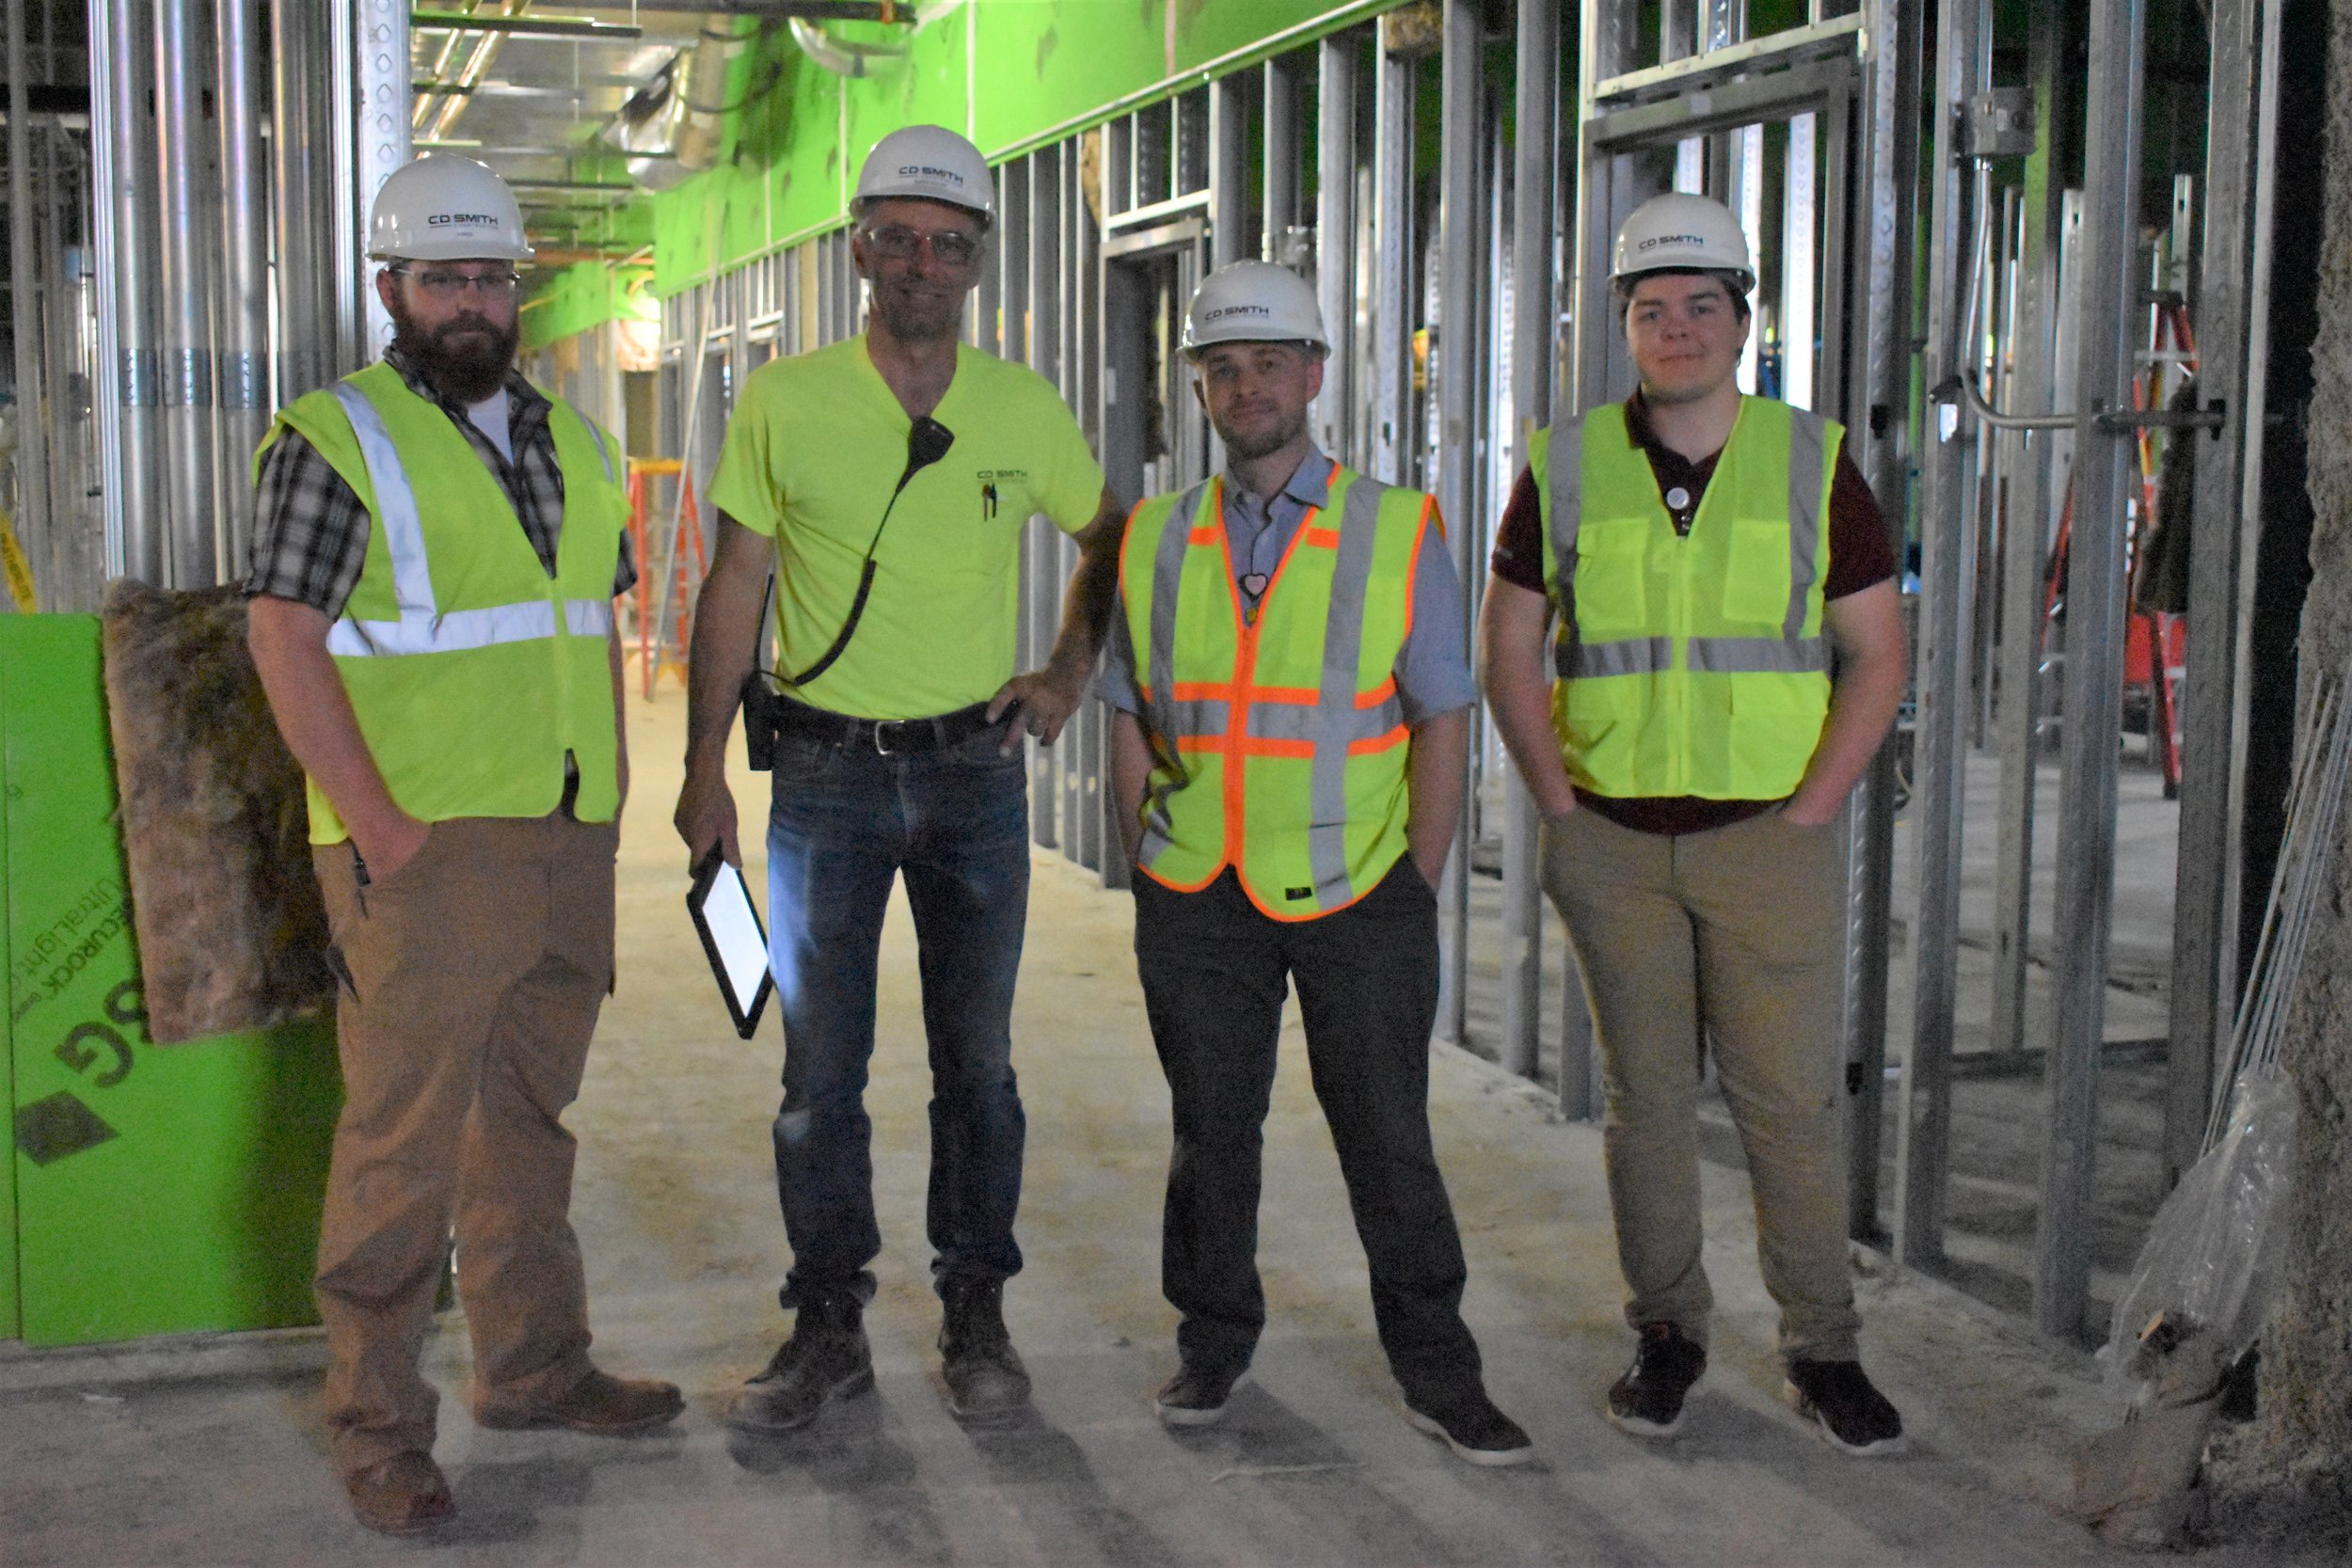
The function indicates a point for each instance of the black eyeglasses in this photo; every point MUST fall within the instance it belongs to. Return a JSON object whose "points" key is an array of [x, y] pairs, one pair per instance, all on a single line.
{"points": [[445, 285], [896, 242]]}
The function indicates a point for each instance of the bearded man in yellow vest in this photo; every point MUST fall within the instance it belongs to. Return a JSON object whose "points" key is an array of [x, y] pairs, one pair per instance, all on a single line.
{"points": [[1294, 699], [435, 550], [1729, 653]]}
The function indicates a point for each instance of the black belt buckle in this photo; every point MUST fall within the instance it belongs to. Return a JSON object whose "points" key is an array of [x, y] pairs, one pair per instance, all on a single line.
{"points": [[881, 736]]}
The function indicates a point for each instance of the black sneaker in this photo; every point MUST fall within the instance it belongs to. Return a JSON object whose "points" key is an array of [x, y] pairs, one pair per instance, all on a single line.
{"points": [[1473, 1429], [1838, 1399], [826, 1359], [1196, 1396], [1647, 1401], [986, 1381]]}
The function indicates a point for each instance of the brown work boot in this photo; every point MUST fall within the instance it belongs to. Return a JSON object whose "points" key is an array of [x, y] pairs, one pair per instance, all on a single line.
{"points": [[599, 1404], [401, 1495]]}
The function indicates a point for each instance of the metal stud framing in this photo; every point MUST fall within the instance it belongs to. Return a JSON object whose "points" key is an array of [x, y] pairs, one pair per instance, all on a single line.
{"points": [[1924, 1135], [2109, 315]]}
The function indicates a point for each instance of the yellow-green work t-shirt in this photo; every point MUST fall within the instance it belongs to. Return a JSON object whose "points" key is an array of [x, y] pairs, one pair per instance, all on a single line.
{"points": [[814, 446]]}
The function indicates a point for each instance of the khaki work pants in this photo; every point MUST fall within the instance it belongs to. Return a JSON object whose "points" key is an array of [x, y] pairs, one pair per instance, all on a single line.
{"points": [[470, 979], [1739, 931]]}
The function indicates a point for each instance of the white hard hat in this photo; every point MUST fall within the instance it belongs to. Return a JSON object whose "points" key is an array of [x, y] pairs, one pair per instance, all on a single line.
{"points": [[1682, 231], [1255, 302], [931, 163], [446, 207]]}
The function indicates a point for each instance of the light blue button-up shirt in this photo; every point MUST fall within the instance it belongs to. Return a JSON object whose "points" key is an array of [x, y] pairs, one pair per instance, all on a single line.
{"points": [[1433, 671]]}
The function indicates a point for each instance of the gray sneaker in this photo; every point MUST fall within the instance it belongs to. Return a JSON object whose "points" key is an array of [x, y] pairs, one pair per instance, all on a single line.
{"points": [[984, 1375], [1196, 1396], [827, 1359]]}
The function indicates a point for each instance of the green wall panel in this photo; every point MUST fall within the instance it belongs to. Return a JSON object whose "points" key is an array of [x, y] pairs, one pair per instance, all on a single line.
{"points": [[801, 146], [586, 295], [1012, 76], [743, 232], [158, 1190], [1063, 62], [11, 1320]]}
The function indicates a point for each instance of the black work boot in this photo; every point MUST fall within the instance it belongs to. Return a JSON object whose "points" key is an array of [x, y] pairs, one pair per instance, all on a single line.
{"points": [[826, 1359], [985, 1378]]}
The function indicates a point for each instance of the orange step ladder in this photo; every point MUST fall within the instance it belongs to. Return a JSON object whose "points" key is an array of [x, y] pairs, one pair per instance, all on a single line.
{"points": [[678, 593]]}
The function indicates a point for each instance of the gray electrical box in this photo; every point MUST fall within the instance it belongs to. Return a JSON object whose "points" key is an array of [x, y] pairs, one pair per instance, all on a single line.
{"points": [[1999, 124]]}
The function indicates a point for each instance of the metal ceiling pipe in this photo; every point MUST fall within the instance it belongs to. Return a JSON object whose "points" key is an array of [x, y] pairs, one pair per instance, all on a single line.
{"points": [[242, 325], [453, 103], [121, 135], [184, 225], [843, 58], [24, 249], [901, 13], [442, 60]]}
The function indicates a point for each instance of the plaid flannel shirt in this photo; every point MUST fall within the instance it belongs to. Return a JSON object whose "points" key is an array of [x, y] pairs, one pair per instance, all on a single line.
{"points": [[310, 531]]}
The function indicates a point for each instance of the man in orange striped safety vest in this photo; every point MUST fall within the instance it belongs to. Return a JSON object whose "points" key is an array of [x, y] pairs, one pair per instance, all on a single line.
{"points": [[1294, 698]]}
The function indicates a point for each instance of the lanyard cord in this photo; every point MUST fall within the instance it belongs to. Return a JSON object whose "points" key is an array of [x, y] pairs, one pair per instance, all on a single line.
{"points": [[927, 441]]}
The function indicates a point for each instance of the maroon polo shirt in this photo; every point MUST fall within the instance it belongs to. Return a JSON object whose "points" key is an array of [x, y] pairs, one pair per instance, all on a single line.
{"points": [[1860, 556]]}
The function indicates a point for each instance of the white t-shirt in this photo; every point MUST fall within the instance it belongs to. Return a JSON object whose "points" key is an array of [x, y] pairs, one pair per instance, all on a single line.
{"points": [[489, 417]]}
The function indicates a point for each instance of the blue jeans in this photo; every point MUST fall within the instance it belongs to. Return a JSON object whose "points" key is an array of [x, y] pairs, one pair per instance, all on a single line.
{"points": [[845, 823]]}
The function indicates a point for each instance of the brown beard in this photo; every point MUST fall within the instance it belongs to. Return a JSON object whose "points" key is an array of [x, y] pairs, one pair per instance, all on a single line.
{"points": [[1273, 441], [462, 371]]}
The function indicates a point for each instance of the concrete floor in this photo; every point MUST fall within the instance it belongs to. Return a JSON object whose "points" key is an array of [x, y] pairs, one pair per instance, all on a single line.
{"points": [[209, 1452]]}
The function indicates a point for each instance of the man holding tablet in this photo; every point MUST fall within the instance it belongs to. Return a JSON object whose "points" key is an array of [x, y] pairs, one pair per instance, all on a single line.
{"points": [[885, 481]]}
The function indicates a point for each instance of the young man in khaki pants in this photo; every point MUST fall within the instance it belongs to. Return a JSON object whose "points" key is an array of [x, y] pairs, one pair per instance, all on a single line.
{"points": [[1707, 553]]}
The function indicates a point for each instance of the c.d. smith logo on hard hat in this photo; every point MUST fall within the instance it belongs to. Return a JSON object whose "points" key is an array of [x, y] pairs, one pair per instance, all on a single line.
{"points": [[928, 172], [1657, 240], [1224, 310], [436, 219]]}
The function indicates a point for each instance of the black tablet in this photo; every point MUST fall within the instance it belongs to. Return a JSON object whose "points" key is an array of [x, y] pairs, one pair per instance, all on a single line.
{"points": [[732, 938]]}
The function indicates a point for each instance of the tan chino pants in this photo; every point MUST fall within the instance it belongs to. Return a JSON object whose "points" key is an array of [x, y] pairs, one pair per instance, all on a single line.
{"points": [[1739, 931], [472, 980]]}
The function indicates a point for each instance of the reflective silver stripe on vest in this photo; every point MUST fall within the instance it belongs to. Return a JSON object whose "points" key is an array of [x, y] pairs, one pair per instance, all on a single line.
{"points": [[532, 620], [1563, 466], [1631, 656], [1159, 671], [421, 628], [1301, 722], [1201, 716], [604, 455], [1759, 656], [1809, 437], [395, 502], [1333, 721]]}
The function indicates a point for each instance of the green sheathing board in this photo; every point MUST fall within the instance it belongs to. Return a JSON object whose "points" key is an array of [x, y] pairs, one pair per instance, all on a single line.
{"points": [[158, 1190], [584, 297], [1010, 76], [11, 1320]]}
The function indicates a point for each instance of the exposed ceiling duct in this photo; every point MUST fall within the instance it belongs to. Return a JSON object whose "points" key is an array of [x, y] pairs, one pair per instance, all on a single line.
{"points": [[671, 126]]}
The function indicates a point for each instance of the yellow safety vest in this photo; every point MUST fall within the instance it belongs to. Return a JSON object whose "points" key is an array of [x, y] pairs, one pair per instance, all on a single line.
{"points": [[471, 671], [1688, 666], [1280, 745]]}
